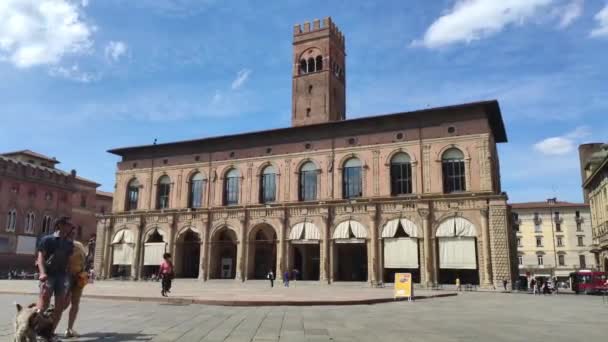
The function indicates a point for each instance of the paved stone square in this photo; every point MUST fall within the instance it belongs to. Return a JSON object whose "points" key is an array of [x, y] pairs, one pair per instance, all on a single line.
{"points": [[466, 317]]}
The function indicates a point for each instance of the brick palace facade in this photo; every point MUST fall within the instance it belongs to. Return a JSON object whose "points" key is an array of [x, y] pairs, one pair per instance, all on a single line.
{"points": [[33, 194], [335, 199]]}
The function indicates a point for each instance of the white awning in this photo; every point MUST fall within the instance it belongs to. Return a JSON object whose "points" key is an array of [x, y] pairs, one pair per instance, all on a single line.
{"points": [[296, 231], [343, 230], [305, 230], [457, 253], [456, 226], [123, 236], [26, 245], [400, 253], [153, 253], [390, 228], [122, 254]]}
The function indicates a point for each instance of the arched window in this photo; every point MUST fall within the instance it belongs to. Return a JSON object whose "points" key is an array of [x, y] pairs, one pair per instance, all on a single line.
{"points": [[319, 63], [311, 64], [231, 187], [351, 179], [46, 224], [401, 174], [453, 171], [308, 182], [197, 189], [163, 192], [29, 223], [303, 67], [268, 188], [132, 195], [11, 220]]}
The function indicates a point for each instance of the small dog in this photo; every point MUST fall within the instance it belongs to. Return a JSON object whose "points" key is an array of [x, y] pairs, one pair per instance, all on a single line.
{"points": [[29, 323]]}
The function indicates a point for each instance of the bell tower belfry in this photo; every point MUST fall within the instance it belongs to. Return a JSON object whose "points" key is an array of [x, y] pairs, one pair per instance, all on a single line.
{"points": [[319, 77]]}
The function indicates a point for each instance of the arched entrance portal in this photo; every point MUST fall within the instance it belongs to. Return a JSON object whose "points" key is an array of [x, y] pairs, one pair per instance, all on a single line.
{"points": [[188, 254], [304, 250], [457, 252], [400, 249], [262, 252], [123, 251], [154, 247], [223, 254], [350, 252]]}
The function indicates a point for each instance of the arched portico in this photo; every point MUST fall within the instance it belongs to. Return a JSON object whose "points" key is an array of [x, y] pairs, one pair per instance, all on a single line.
{"points": [[155, 245], [262, 251], [123, 253], [350, 251], [400, 248], [223, 252], [187, 254], [304, 250], [457, 251]]}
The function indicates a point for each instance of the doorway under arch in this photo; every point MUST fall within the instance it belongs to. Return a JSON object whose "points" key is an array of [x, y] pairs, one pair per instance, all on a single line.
{"points": [[188, 254], [262, 252], [154, 248], [223, 254]]}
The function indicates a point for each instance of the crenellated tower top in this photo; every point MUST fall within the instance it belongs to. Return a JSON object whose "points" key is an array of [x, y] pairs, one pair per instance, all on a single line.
{"points": [[319, 73], [303, 31]]}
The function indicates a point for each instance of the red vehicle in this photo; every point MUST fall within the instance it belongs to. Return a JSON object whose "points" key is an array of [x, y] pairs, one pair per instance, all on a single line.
{"points": [[588, 282]]}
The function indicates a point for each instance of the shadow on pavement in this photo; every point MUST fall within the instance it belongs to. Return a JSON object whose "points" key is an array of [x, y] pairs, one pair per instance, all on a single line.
{"points": [[111, 336]]}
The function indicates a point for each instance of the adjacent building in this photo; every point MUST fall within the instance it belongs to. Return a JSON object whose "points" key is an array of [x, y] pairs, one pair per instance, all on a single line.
{"points": [[553, 238], [33, 194], [594, 159], [334, 199]]}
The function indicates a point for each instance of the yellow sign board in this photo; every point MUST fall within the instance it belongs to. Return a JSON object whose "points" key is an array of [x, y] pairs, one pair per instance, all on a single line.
{"points": [[403, 286]]}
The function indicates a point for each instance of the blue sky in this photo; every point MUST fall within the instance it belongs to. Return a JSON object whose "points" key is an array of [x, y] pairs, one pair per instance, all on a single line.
{"points": [[80, 77]]}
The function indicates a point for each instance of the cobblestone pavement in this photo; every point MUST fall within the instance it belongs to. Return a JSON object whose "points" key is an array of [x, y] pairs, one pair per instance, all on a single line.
{"points": [[466, 317]]}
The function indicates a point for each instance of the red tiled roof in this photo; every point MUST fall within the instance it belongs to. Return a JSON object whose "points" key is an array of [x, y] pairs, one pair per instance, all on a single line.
{"points": [[545, 204], [33, 154], [104, 193]]}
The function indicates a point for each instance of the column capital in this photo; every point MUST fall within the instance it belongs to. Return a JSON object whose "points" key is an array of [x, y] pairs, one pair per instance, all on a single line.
{"points": [[484, 212], [424, 213]]}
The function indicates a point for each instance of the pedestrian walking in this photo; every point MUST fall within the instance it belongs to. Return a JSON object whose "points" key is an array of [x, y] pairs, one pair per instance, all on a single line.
{"points": [[504, 283], [534, 286], [458, 288], [270, 276], [286, 279], [78, 280], [53, 253], [165, 272]]}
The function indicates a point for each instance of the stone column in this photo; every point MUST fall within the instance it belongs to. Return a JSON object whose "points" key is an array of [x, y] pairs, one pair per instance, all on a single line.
{"points": [[324, 250], [201, 262], [380, 265], [136, 269], [487, 264], [428, 248], [373, 248], [241, 253], [280, 253], [435, 261], [107, 257], [332, 261]]}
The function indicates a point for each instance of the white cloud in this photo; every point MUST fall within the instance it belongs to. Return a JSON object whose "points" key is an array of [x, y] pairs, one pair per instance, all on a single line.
{"points": [[114, 50], [39, 32], [570, 12], [74, 73], [561, 145], [602, 23], [241, 78], [471, 20]]}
